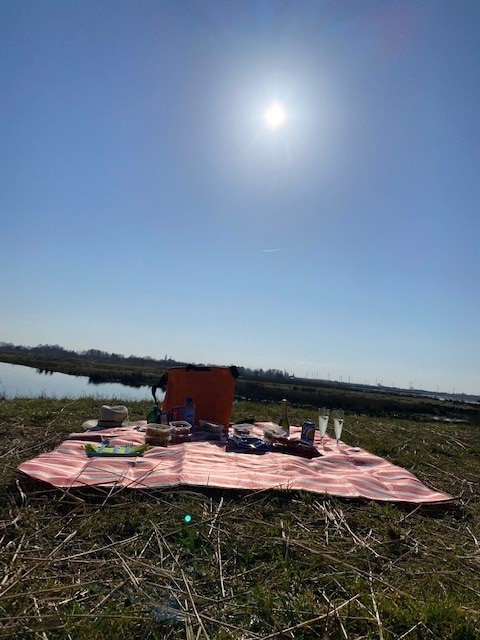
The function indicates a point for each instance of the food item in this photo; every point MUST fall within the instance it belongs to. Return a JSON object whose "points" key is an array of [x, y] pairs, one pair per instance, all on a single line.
{"points": [[243, 429], [158, 434], [117, 450], [246, 444], [294, 447], [273, 433], [181, 431], [211, 430]]}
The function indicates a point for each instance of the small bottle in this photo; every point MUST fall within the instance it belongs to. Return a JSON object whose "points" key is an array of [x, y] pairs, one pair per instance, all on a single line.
{"points": [[189, 411], [284, 421]]}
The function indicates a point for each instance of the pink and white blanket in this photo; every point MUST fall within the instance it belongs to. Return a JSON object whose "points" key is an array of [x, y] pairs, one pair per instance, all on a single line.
{"points": [[348, 471]]}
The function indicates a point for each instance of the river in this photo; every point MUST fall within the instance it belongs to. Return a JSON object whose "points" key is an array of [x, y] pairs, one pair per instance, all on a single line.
{"points": [[18, 381]]}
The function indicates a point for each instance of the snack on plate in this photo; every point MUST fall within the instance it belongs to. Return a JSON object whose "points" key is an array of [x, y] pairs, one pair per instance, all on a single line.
{"points": [[105, 449]]}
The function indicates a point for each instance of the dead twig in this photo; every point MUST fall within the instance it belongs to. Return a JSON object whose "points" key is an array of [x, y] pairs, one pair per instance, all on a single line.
{"points": [[220, 570], [375, 607], [192, 601], [307, 623], [220, 505]]}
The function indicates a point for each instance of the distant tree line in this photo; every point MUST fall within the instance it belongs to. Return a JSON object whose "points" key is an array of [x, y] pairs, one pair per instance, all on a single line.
{"points": [[265, 385], [96, 355]]}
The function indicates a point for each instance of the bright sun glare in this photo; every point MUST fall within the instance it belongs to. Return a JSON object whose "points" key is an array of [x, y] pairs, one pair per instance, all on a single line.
{"points": [[275, 116]]}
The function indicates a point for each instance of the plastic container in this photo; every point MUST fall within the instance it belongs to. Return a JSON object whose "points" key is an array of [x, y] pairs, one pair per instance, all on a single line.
{"points": [[180, 431], [158, 434], [211, 430], [242, 429], [273, 433], [189, 411]]}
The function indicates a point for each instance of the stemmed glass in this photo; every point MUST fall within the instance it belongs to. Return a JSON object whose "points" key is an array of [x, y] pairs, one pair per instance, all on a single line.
{"points": [[323, 414], [338, 416]]}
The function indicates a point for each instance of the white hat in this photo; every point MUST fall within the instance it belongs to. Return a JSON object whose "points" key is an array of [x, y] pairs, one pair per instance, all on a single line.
{"points": [[109, 417]]}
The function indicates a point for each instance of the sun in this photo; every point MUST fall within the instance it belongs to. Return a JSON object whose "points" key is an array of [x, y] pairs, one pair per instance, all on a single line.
{"points": [[275, 116]]}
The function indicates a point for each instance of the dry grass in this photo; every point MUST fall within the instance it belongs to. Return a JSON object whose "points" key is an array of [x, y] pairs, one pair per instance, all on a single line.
{"points": [[125, 564]]}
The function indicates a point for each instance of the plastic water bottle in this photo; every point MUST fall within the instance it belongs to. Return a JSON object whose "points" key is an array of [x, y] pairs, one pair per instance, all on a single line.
{"points": [[189, 411]]}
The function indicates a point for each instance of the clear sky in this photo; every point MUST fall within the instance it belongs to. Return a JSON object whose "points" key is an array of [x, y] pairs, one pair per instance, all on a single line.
{"points": [[151, 205]]}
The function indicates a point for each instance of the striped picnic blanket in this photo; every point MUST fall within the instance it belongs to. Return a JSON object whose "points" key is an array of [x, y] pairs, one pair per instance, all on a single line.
{"points": [[348, 471]]}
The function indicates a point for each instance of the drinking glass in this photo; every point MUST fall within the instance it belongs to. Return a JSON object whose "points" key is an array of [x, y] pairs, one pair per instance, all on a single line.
{"points": [[323, 414], [338, 416]]}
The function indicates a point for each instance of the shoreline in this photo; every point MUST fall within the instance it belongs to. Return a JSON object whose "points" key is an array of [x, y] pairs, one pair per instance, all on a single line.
{"points": [[303, 393]]}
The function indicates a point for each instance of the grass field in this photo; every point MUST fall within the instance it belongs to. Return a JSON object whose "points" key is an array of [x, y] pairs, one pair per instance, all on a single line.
{"points": [[125, 564]]}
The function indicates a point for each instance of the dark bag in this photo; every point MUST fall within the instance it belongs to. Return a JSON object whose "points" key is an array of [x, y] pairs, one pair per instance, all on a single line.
{"points": [[212, 390]]}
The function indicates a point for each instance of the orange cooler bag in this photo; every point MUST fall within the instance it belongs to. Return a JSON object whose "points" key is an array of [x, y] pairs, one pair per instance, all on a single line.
{"points": [[212, 390]]}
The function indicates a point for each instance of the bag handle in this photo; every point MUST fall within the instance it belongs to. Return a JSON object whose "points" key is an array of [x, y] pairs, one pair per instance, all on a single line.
{"points": [[195, 367], [162, 384]]}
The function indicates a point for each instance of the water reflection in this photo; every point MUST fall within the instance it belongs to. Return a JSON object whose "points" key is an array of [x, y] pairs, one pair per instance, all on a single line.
{"points": [[27, 382]]}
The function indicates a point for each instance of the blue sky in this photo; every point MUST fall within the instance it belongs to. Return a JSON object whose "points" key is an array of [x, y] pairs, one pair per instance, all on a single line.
{"points": [[147, 209]]}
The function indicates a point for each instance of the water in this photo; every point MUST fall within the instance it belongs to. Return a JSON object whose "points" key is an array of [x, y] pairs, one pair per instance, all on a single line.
{"points": [[26, 382]]}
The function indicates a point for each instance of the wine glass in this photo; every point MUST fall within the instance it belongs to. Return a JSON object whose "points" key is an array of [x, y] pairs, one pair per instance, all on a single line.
{"points": [[338, 416], [323, 414]]}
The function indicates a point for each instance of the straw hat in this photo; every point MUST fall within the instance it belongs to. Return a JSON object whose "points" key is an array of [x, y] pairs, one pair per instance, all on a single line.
{"points": [[110, 417]]}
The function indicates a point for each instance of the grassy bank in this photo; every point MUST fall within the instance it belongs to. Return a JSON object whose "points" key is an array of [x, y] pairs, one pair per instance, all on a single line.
{"points": [[101, 564], [371, 400]]}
